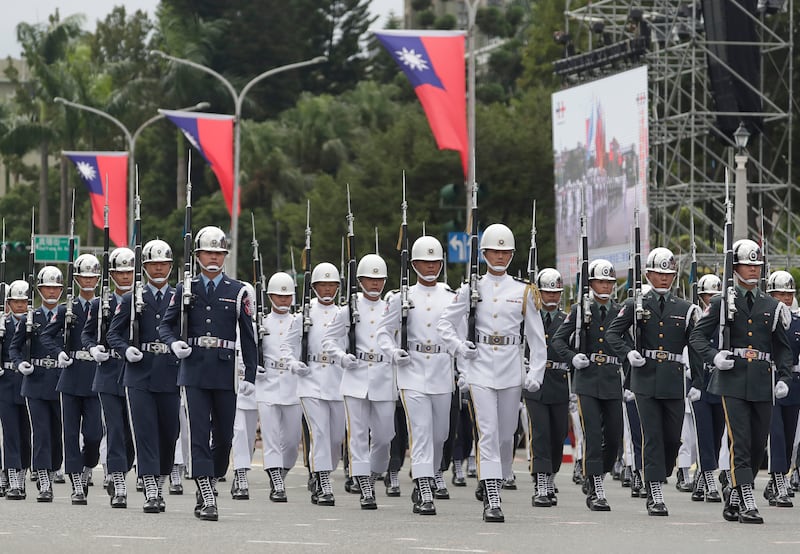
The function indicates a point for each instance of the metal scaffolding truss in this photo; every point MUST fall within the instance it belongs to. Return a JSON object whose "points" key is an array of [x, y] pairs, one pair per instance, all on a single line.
{"points": [[688, 151]]}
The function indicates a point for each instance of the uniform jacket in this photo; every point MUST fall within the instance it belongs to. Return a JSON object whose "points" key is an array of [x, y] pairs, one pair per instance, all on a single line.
{"points": [[156, 372], [666, 332], [431, 367], [759, 329], [11, 380], [277, 384], [220, 316], [41, 384], [555, 387], [602, 379], [107, 376], [504, 304], [372, 378], [78, 377]]}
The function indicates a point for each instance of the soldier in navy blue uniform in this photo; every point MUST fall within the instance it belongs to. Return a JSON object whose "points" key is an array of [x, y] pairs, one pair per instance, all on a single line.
{"points": [[780, 286], [80, 406], [208, 373], [107, 378], [150, 375], [13, 413], [40, 376]]}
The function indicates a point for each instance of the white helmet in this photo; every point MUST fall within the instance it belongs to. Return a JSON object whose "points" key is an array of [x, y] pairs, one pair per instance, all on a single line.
{"points": [[661, 260], [427, 249], [17, 290], [549, 280], [49, 276], [156, 250], [497, 237], [211, 239], [747, 252], [709, 284], [281, 284], [325, 273], [781, 281], [87, 265], [121, 259], [373, 266], [602, 270]]}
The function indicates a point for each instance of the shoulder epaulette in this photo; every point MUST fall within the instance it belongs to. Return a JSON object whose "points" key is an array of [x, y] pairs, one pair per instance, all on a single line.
{"points": [[521, 280]]}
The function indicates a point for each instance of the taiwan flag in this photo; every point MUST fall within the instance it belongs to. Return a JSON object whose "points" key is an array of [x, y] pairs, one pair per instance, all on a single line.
{"points": [[434, 63], [212, 135], [96, 169]]}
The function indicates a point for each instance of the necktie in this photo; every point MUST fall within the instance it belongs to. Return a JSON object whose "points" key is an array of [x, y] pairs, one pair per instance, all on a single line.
{"points": [[749, 297], [661, 303], [159, 296], [210, 289], [602, 313], [547, 320]]}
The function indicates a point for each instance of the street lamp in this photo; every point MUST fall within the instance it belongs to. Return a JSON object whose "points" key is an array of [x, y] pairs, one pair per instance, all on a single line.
{"points": [[238, 99], [741, 136], [130, 139]]}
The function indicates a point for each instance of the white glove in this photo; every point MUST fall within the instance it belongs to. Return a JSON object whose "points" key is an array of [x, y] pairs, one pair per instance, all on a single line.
{"points": [[64, 360], [636, 359], [181, 349], [349, 361], [580, 361], [133, 354], [467, 350], [26, 368], [693, 395], [99, 353], [299, 368], [722, 360], [781, 389], [573, 397], [400, 357], [531, 383], [261, 372], [2, 371], [461, 382], [246, 388], [628, 395]]}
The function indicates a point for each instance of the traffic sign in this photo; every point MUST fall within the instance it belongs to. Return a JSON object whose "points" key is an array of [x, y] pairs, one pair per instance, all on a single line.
{"points": [[458, 247], [53, 249]]}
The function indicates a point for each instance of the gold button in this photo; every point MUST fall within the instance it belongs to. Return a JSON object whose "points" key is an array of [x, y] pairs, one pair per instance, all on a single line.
{"points": [[661, 335], [600, 340], [749, 333], [602, 328], [600, 351], [661, 348], [494, 348], [494, 316], [660, 323], [749, 321]]}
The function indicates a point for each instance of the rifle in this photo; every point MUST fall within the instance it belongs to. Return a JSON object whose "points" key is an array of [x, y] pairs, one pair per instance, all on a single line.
{"points": [[294, 278], [31, 286], [342, 278], [405, 302], [188, 266], [260, 288], [352, 279], [727, 309], [474, 295], [137, 301], [3, 285], [306, 288], [104, 311], [533, 258], [583, 312], [69, 317], [639, 314], [693, 267], [765, 270]]}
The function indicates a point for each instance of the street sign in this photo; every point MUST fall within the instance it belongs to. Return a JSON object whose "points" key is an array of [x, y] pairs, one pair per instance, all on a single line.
{"points": [[53, 249], [457, 247]]}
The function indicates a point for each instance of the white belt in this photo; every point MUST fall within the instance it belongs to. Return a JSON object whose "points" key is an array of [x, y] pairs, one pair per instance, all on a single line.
{"points": [[370, 356], [49, 363], [426, 348], [212, 342], [155, 347], [499, 340], [663, 355], [9, 365], [556, 365], [323, 358], [751, 354], [603, 358], [81, 355], [275, 365]]}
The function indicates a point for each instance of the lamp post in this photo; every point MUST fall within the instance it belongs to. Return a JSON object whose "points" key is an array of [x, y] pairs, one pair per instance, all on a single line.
{"points": [[740, 136], [238, 99], [130, 139]]}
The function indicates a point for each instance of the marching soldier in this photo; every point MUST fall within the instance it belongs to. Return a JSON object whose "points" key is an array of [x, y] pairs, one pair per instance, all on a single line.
{"points": [[276, 389], [150, 375], [745, 377], [319, 383], [208, 372], [494, 367], [424, 372], [367, 383], [40, 376], [597, 383], [107, 379], [548, 408], [80, 406], [16, 436], [657, 371]]}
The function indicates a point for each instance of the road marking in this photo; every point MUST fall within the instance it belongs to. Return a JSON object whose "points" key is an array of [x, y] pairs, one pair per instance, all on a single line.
{"points": [[297, 543], [430, 548], [574, 523], [692, 523], [329, 519], [130, 537], [410, 539], [785, 542], [302, 525]]}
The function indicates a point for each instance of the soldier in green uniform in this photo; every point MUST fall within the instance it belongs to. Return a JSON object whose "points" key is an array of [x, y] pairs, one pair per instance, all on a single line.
{"points": [[745, 377], [657, 369], [597, 383]]}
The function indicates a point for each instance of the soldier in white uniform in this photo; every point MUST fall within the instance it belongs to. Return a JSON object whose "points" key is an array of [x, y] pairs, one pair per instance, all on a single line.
{"points": [[319, 383], [493, 368], [368, 382], [276, 389], [424, 372]]}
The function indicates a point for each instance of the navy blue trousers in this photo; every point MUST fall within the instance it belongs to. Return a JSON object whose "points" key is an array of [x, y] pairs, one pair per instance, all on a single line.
{"points": [[81, 416], [46, 440], [16, 435], [709, 421], [156, 425], [211, 413], [119, 440]]}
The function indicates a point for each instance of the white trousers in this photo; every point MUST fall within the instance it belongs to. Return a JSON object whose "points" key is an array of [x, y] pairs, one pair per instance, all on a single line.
{"points": [[370, 430], [326, 432], [627, 441], [496, 412], [724, 460], [428, 422], [687, 453], [281, 432], [245, 423], [577, 432], [182, 448]]}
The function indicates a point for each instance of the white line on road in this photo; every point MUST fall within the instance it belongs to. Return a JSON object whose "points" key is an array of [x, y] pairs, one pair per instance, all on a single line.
{"points": [[290, 542], [410, 539], [130, 537], [430, 548]]}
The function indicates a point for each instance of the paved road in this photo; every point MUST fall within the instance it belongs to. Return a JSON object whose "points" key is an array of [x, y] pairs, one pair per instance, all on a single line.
{"points": [[258, 525]]}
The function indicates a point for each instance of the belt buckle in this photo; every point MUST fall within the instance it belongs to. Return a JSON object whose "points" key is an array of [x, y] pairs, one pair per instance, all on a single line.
{"points": [[280, 365], [548, 364], [661, 355], [48, 363], [496, 339], [427, 348], [207, 342], [600, 358], [158, 348], [324, 359], [750, 354], [370, 356]]}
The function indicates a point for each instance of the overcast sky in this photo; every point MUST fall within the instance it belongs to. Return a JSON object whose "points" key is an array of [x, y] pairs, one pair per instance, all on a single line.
{"points": [[37, 11]]}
